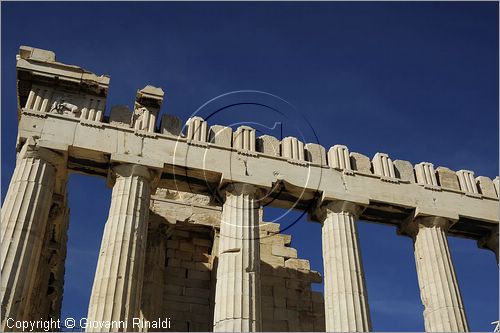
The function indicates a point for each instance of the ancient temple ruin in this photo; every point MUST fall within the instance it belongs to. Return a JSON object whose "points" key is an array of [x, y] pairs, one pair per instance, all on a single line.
{"points": [[185, 236]]}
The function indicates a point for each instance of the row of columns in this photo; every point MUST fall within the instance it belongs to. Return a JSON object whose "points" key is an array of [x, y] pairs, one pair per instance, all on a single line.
{"points": [[346, 306], [116, 295]]}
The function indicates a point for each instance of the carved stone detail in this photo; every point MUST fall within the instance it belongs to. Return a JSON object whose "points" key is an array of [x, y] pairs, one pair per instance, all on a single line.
{"points": [[196, 129], [292, 148], [315, 153], [383, 166], [338, 158], [244, 138], [269, 145], [426, 175], [467, 181]]}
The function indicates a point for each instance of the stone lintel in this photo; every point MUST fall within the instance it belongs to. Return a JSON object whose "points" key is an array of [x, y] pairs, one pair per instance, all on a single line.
{"points": [[429, 211], [235, 178], [131, 159], [28, 52], [328, 196], [60, 147]]}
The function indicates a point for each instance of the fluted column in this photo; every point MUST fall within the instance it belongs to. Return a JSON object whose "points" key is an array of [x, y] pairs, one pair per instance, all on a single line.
{"points": [[346, 303], [116, 293], [152, 288], [237, 293], [24, 220], [439, 290], [490, 242]]}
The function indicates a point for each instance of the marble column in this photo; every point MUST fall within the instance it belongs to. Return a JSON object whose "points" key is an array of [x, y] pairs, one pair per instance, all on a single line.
{"points": [[237, 293], [346, 301], [490, 242], [24, 219], [439, 290], [116, 293]]}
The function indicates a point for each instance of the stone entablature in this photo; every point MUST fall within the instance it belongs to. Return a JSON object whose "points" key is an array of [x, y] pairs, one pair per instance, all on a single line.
{"points": [[92, 149]]}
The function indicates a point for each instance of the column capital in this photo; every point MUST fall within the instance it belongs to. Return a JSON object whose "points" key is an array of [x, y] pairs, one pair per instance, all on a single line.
{"points": [[240, 189], [128, 170], [411, 227], [31, 149], [337, 206]]}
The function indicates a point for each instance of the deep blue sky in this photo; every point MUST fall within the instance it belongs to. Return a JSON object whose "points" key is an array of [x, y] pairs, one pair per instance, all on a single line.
{"points": [[416, 80]]}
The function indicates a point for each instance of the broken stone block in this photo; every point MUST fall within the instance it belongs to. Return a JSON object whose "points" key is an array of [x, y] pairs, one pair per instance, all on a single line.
{"points": [[404, 170], [486, 186], [315, 153], [220, 135], [447, 178], [269, 145], [120, 115], [360, 162], [170, 125]]}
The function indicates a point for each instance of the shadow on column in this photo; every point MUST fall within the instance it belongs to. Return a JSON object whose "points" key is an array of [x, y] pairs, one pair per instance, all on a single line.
{"points": [[180, 278]]}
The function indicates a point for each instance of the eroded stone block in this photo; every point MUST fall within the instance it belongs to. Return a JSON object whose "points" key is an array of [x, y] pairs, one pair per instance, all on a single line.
{"points": [[287, 252], [467, 181], [486, 186], [404, 170], [120, 115], [315, 153], [28, 52], [220, 135], [171, 125], [292, 148], [383, 166], [269, 145], [297, 263], [273, 261], [338, 157], [447, 178], [425, 174], [270, 227], [360, 162], [147, 105]]}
